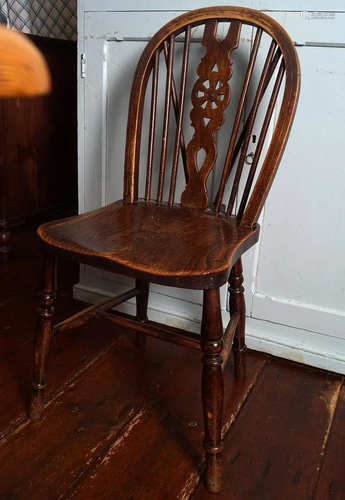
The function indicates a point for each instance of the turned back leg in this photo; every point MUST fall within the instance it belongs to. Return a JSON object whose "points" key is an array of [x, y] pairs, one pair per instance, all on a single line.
{"points": [[237, 304], [43, 335], [142, 302], [212, 387]]}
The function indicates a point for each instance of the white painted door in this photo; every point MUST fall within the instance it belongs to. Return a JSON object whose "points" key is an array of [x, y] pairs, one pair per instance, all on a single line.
{"points": [[298, 294]]}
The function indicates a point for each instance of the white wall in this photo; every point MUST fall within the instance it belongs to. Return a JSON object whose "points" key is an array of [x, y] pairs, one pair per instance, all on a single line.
{"points": [[295, 276]]}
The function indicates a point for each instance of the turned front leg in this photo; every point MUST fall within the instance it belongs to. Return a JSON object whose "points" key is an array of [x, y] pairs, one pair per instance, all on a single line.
{"points": [[142, 301], [43, 336], [212, 387], [237, 304]]}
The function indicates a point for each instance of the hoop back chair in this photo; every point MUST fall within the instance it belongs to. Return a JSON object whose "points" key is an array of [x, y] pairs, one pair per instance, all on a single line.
{"points": [[193, 240]]}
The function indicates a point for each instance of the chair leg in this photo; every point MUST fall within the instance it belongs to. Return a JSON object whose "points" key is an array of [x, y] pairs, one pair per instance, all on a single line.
{"points": [[43, 335], [142, 302], [212, 387], [237, 304]]}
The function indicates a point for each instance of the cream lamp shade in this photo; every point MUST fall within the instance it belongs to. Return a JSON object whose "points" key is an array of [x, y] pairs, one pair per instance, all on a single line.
{"points": [[23, 69]]}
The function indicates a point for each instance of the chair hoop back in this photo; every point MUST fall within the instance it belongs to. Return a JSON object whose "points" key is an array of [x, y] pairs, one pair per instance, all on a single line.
{"points": [[211, 94]]}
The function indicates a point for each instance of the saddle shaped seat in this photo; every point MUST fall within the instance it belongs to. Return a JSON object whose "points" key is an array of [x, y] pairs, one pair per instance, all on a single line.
{"points": [[132, 239]]}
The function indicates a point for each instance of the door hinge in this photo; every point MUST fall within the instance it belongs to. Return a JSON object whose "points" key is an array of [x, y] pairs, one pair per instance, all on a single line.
{"points": [[83, 65]]}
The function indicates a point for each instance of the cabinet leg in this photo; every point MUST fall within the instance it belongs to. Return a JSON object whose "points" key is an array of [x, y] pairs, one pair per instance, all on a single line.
{"points": [[5, 238]]}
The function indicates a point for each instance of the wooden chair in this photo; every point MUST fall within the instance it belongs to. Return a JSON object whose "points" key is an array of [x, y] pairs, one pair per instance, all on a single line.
{"points": [[198, 242]]}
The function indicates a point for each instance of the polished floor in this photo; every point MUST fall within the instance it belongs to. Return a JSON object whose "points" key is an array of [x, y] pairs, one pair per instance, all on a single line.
{"points": [[126, 424]]}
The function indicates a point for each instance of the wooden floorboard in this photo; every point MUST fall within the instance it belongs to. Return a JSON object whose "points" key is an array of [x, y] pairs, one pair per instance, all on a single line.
{"points": [[331, 480], [124, 424], [43, 459], [275, 449], [165, 436], [71, 354]]}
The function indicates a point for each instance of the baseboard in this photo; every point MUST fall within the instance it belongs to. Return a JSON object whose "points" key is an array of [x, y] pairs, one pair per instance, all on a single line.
{"points": [[260, 335]]}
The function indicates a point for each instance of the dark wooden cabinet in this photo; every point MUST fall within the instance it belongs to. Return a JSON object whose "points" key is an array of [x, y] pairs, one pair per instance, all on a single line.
{"points": [[38, 143]]}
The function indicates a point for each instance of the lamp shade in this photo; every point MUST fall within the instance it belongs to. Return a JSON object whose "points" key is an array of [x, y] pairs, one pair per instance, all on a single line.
{"points": [[23, 69]]}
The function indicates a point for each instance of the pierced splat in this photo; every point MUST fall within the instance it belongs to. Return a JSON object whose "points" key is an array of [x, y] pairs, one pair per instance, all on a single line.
{"points": [[210, 97]]}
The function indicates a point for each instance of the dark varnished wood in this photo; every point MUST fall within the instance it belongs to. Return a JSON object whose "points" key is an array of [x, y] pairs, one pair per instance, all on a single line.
{"points": [[169, 45], [163, 332], [228, 337], [133, 239], [159, 453], [331, 480], [212, 387], [237, 305], [142, 301], [86, 418], [153, 117], [249, 127], [81, 317], [5, 238], [17, 329], [231, 154], [190, 244], [38, 141], [207, 114], [43, 335], [179, 140], [289, 101], [72, 353], [289, 444]]}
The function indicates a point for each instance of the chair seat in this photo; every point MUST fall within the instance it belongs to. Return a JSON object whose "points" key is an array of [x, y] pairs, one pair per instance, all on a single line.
{"points": [[173, 246]]}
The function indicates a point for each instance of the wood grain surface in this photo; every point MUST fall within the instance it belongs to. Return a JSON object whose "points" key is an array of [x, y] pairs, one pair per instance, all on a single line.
{"points": [[134, 240]]}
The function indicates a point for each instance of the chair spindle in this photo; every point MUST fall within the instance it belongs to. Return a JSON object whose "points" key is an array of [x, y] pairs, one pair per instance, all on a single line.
{"points": [[170, 48], [180, 115], [261, 140], [152, 125], [228, 165], [249, 127]]}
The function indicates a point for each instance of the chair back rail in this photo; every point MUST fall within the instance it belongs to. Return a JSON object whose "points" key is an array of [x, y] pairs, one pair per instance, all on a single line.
{"points": [[241, 191]]}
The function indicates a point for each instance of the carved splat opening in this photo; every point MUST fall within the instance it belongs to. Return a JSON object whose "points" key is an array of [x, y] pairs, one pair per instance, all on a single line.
{"points": [[200, 157], [215, 68]]}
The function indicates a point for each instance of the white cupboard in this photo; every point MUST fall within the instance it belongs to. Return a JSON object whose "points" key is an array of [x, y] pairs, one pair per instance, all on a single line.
{"points": [[295, 276]]}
